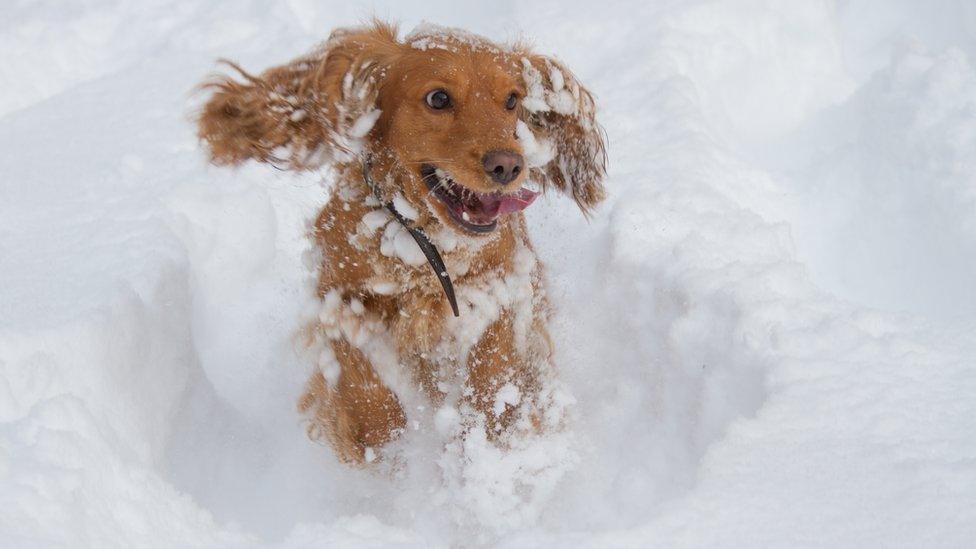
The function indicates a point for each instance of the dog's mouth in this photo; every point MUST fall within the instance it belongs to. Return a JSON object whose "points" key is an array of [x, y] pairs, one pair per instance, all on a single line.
{"points": [[474, 211]]}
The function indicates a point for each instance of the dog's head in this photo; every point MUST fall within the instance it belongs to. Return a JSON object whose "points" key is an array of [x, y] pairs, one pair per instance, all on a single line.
{"points": [[448, 119]]}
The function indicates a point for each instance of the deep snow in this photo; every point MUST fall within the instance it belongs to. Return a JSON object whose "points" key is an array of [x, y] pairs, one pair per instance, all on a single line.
{"points": [[768, 329]]}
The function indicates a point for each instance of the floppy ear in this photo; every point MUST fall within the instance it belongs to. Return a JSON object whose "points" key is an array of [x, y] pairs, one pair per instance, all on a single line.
{"points": [[570, 148], [313, 110]]}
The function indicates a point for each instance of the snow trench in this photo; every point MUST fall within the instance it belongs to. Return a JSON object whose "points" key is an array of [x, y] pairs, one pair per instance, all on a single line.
{"points": [[766, 333]]}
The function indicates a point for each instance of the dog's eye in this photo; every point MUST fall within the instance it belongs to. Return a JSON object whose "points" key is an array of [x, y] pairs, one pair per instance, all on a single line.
{"points": [[438, 99], [511, 101]]}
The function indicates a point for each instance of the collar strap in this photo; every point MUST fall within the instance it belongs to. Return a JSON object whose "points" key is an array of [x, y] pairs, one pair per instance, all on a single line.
{"points": [[423, 241]]}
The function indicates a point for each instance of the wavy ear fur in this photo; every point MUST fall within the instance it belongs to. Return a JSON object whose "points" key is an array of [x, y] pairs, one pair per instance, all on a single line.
{"points": [[312, 110], [562, 116]]}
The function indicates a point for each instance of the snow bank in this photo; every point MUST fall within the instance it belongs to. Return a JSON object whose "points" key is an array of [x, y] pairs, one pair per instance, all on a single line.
{"points": [[777, 168]]}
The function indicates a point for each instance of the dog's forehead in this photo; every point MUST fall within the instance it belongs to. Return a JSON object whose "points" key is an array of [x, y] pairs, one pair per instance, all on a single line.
{"points": [[463, 68], [446, 44]]}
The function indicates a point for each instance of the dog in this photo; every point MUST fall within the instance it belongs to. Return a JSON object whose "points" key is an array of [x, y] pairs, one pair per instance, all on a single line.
{"points": [[428, 287]]}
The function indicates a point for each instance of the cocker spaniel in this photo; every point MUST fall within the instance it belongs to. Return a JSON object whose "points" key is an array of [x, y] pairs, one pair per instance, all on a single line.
{"points": [[431, 296]]}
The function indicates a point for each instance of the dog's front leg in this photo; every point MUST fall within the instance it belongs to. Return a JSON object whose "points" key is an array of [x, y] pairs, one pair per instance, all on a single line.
{"points": [[358, 412], [499, 377]]}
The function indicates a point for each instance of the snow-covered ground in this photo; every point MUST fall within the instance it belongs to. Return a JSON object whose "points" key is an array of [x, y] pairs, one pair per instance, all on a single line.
{"points": [[769, 328]]}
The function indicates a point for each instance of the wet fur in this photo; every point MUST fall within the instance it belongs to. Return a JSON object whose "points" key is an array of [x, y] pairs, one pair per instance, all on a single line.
{"points": [[381, 318]]}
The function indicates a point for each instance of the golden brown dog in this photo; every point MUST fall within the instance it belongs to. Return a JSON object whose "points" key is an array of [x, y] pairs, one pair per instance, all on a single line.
{"points": [[432, 138]]}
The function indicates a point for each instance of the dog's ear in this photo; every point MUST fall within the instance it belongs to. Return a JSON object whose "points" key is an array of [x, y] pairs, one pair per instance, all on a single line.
{"points": [[313, 110], [570, 150]]}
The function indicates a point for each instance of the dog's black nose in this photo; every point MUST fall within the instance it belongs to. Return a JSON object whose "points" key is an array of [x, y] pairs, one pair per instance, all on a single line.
{"points": [[503, 166]]}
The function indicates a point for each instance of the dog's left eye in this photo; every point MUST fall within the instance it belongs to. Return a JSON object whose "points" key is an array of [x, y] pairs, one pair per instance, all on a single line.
{"points": [[511, 101], [438, 99]]}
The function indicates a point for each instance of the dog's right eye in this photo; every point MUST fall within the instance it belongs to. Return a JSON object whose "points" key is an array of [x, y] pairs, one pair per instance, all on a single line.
{"points": [[438, 99]]}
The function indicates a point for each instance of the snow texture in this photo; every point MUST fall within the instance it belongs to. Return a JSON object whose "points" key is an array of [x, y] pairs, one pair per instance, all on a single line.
{"points": [[766, 336]]}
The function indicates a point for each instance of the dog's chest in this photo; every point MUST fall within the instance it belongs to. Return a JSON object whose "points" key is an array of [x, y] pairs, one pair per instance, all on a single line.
{"points": [[369, 256]]}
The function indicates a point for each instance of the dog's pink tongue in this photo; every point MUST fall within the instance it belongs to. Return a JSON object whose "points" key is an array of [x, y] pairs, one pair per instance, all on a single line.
{"points": [[508, 203]]}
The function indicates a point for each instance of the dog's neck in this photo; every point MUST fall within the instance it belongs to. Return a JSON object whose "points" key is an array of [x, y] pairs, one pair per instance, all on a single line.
{"points": [[420, 237], [368, 252]]}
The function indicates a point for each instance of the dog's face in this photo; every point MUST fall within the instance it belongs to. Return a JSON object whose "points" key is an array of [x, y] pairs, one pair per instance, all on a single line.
{"points": [[449, 118]]}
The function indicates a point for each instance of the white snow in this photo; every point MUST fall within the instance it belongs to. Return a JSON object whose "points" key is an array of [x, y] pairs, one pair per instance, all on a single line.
{"points": [[766, 336], [536, 152], [508, 395], [405, 208], [397, 242], [364, 124]]}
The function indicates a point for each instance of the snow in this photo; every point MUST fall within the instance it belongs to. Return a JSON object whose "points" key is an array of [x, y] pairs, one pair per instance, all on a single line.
{"points": [[426, 35], [405, 208], [537, 98], [536, 153], [397, 242], [766, 336], [364, 123]]}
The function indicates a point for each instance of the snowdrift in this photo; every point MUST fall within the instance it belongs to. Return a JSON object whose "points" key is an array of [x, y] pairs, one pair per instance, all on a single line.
{"points": [[768, 329]]}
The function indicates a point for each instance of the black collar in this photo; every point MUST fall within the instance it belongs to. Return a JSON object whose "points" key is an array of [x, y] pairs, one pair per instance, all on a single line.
{"points": [[426, 246]]}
